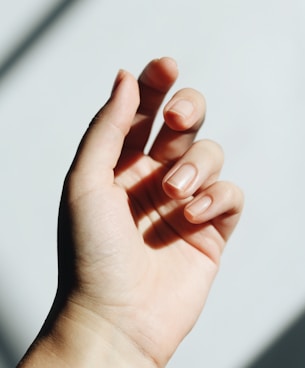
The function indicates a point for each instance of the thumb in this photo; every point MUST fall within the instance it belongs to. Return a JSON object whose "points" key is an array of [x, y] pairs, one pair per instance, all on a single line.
{"points": [[102, 143]]}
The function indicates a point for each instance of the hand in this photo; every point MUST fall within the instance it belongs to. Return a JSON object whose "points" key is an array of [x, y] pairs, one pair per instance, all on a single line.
{"points": [[141, 235]]}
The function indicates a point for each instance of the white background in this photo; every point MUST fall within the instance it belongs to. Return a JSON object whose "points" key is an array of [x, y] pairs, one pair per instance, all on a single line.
{"points": [[248, 58]]}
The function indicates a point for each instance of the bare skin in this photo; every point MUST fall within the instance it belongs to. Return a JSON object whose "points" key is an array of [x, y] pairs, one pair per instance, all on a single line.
{"points": [[140, 235]]}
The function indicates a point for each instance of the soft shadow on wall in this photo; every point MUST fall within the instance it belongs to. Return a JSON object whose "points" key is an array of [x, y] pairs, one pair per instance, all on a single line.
{"points": [[287, 351], [35, 34], [8, 352]]}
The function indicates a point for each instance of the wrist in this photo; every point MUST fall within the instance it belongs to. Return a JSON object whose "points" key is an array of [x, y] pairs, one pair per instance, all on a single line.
{"points": [[78, 338]]}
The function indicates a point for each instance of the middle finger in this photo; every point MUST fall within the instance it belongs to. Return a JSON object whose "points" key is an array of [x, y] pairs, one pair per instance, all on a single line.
{"points": [[183, 115]]}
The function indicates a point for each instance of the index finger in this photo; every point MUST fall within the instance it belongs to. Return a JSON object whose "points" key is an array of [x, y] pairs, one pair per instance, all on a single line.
{"points": [[154, 82]]}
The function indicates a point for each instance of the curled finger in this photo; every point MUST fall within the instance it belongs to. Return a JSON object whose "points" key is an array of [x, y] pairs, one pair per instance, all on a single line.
{"points": [[221, 204], [183, 114], [198, 168]]}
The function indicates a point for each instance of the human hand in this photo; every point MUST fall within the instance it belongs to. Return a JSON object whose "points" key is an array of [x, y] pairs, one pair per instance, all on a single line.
{"points": [[140, 235]]}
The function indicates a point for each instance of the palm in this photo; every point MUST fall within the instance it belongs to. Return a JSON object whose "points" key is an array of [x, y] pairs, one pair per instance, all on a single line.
{"points": [[153, 270], [160, 220]]}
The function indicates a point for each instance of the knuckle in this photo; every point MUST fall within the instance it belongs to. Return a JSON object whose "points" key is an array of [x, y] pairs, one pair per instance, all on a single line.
{"points": [[226, 191], [211, 149], [233, 195]]}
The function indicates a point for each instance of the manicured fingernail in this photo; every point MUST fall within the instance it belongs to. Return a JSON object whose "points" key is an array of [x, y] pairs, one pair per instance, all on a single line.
{"points": [[182, 177], [183, 107], [199, 205]]}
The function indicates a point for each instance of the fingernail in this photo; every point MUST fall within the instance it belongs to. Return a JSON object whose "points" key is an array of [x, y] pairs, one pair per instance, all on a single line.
{"points": [[199, 205], [183, 107], [182, 177]]}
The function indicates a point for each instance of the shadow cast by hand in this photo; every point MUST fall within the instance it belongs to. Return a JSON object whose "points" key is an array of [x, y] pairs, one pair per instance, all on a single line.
{"points": [[147, 199]]}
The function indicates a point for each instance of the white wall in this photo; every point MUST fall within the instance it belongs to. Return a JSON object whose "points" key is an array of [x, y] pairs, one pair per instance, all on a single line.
{"points": [[248, 58]]}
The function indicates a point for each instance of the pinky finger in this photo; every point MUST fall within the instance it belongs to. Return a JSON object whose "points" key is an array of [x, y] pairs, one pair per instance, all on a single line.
{"points": [[221, 203]]}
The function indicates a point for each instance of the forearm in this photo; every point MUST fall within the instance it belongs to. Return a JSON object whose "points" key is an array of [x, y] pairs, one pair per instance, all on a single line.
{"points": [[79, 339]]}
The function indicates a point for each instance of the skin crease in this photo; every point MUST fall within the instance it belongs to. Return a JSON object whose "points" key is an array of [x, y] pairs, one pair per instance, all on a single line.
{"points": [[139, 235]]}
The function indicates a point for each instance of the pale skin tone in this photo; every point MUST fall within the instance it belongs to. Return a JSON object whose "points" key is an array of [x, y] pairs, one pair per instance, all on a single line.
{"points": [[140, 235]]}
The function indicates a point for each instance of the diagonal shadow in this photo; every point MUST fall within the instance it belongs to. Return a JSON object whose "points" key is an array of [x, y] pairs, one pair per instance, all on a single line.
{"points": [[29, 40], [287, 351], [8, 352]]}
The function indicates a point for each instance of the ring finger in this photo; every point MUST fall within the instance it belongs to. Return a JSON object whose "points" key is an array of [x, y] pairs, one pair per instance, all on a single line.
{"points": [[197, 169]]}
